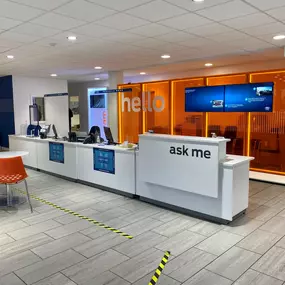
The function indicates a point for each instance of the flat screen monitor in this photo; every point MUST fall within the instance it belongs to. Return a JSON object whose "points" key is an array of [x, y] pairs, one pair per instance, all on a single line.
{"points": [[54, 131], [108, 135], [205, 99], [254, 97], [97, 101]]}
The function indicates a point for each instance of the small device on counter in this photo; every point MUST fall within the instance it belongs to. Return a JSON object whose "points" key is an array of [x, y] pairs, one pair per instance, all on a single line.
{"points": [[72, 137], [44, 132]]}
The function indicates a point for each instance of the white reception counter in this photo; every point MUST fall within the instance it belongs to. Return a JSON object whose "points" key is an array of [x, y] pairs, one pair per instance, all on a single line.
{"points": [[188, 174]]}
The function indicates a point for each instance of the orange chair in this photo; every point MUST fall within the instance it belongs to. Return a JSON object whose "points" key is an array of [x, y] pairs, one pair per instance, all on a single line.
{"points": [[12, 171]]}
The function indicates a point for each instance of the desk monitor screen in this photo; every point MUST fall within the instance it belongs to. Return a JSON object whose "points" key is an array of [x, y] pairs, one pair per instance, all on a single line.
{"points": [[54, 131], [108, 135]]}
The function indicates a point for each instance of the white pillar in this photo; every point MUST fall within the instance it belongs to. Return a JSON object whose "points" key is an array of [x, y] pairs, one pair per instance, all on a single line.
{"points": [[115, 78]]}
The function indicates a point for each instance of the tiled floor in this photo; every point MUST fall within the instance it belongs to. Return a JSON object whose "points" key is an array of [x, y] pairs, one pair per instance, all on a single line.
{"points": [[50, 247]]}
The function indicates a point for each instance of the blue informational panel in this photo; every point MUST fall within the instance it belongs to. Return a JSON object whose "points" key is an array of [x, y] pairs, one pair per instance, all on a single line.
{"points": [[56, 152], [104, 160]]}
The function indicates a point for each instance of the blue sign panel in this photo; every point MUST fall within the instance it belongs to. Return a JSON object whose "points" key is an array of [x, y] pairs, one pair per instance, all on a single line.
{"points": [[104, 160], [56, 152], [113, 91]]}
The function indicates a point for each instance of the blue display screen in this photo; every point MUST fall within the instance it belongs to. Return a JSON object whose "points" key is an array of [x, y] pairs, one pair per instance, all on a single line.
{"points": [[205, 99], [56, 152], [257, 97], [254, 97], [104, 160]]}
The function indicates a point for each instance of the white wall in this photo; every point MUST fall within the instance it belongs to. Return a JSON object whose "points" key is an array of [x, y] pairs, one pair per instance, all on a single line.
{"points": [[24, 88]]}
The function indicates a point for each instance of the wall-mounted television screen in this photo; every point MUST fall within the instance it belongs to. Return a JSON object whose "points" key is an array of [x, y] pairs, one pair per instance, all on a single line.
{"points": [[205, 99], [97, 101], [253, 97]]}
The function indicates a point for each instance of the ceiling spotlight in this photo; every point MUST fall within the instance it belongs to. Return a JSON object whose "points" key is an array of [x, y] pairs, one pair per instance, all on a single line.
{"points": [[98, 67], [72, 38], [53, 75], [208, 64], [279, 37], [142, 73], [198, 1], [10, 56], [96, 78], [165, 56]]}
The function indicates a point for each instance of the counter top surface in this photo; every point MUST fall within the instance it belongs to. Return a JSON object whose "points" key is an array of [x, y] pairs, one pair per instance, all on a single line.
{"points": [[234, 160]]}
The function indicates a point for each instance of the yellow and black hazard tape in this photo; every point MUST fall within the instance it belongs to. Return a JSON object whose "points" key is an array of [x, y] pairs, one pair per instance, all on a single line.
{"points": [[159, 269], [92, 221]]}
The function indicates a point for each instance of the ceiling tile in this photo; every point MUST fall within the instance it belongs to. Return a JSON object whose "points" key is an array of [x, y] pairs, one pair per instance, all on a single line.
{"points": [[120, 5], [251, 44], [122, 22], [56, 21], [266, 4], [10, 43], [150, 10], [228, 10], [6, 23], [84, 10], [18, 37], [176, 36], [229, 36], [151, 30], [35, 30], [198, 42], [43, 4], [17, 11], [150, 43], [273, 28], [124, 37], [191, 6], [185, 21], [209, 29], [94, 30], [278, 13], [252, 20]]}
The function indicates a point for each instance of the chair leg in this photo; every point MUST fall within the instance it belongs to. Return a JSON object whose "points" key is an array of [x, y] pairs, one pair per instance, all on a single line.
{"points": [[28, 195], [8, 195]]}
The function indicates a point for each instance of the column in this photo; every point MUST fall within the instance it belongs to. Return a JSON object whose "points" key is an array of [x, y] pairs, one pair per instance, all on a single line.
{"points": [[115, 78]]}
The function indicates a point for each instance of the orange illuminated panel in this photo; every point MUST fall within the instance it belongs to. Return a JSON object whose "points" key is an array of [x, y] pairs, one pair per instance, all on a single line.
{"points": [[156, 117], [130, 123], [227, 80], [185, 123]]}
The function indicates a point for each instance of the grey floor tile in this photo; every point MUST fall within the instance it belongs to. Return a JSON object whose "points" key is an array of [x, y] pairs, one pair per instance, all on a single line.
{"points": [[7, 227], [56, 279], [4, 239], [263, 213], [252, 206], [175, 226], [43, 217], [33, 230], [110, 214], [243, 226], [165, 216], [23, 245], [68, 218], [281, 243], [275, 225], [163, 280], [140, 215], [206, 228], [233, 263], [17, 261], [137, 267], [141, 227], [188, 264], [100, 244], [140, 244], [49, 266], [69, 229], [180, 242], [92, 267], [259, 241], [219, 243], [56, 246], [205, 277], [272, 263], [11, 279], [269, 193], [252, 277], [107, 278]]}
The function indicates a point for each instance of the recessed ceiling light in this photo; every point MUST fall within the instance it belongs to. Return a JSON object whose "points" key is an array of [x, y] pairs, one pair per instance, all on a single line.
{"points": [[98, 67], [198, 1], [165, 56], [72, 38], [10, 56], [97, 78], [53, 75], [208, 64], [279, 37], [142, 73]]}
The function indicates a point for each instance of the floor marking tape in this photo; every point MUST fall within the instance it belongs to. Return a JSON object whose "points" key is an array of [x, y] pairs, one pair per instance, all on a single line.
{"points": [[159, 269], [99, 224]]}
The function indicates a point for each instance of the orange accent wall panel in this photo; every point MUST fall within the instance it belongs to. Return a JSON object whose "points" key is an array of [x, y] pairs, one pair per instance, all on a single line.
{"points": [[227, 80]]}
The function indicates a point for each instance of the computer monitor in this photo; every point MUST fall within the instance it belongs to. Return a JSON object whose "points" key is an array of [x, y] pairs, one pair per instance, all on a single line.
{"points": [[108, 135], [55, 132]]}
